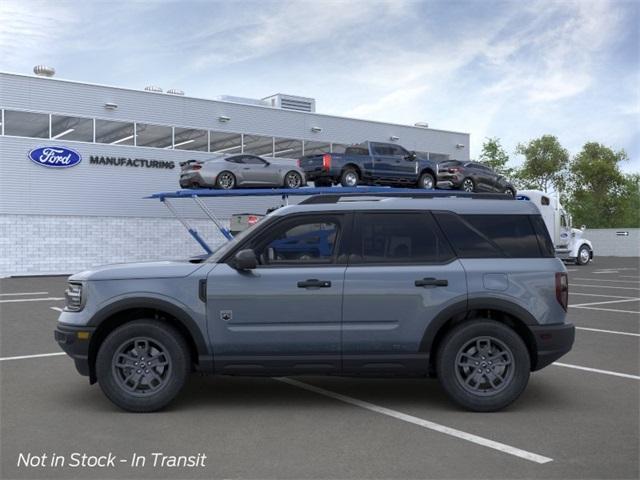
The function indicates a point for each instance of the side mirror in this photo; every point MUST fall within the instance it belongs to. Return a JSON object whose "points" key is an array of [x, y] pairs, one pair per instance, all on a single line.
{"points": [[583, 227], [245, 260]]}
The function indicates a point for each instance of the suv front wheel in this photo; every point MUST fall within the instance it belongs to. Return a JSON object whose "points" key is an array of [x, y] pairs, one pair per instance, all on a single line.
{"points": [[142, 365], [483, 365]]}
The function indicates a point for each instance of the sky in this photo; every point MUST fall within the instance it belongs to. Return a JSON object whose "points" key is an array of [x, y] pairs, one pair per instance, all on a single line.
{"points": [[508, 69]]}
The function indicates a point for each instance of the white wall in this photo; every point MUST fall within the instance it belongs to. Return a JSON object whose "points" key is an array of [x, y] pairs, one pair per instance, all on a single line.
{"points": [[56, 244], [606, 243]]}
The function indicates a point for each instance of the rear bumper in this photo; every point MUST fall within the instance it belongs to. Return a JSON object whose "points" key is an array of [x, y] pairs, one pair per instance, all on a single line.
{"points": [[552, 342], [188, 180], [77, 347], [315, 174], [449, 181]]}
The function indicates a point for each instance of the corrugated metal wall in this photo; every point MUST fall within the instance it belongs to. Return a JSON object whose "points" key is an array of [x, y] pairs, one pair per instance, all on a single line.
{"points": [[99, 190]]}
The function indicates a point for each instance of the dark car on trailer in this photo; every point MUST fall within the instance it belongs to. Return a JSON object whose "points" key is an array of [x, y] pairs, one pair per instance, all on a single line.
{"points": [[370, 163], [472, 177]]}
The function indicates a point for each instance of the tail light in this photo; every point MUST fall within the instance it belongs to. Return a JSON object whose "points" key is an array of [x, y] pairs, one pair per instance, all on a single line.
{"points": [[252, 220], [196, 167], [326, 161], [562, 289], [454, 170], [298, 162]]}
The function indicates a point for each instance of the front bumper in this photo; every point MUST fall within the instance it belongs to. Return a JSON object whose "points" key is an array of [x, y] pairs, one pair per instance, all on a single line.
{"points": [[552, 342], [74, 340]]}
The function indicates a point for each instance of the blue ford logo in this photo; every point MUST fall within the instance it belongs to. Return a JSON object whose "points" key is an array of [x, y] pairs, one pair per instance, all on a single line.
{"points": [[55, 157]]}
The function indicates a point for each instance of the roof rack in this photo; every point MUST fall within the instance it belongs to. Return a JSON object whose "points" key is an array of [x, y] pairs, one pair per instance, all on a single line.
{"points": [[402, 193]]}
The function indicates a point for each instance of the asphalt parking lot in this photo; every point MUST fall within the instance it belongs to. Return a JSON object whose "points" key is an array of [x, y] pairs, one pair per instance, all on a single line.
{"points": [[577, 419]]}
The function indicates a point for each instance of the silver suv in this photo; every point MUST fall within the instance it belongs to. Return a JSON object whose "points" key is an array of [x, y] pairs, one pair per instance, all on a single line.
{"points": [[464, 289]]}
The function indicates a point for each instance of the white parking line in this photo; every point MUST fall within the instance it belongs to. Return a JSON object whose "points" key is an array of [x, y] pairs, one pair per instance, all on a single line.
{"points": [[596, 295], [22, 293], [604, 286], [597, 370], [469, 437], [24, 357], [605, 302], [606, 280], [13, 300], [57, 309], [608, 331], [610, 310]]}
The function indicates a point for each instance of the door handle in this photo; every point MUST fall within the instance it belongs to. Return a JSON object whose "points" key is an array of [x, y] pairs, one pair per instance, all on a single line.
{"points": [[314, 283], [431, 282]]}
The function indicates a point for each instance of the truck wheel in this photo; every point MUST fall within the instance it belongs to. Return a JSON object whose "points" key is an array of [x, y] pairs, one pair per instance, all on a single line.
{"points": [[142, 365], [483, 365], [226, 180], [510, 192], [468, 185], [584, 255], [426, 181], [349, 178]]}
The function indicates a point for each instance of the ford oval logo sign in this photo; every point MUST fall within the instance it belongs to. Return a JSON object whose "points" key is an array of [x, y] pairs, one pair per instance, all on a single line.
{"points": [[55, 157]]}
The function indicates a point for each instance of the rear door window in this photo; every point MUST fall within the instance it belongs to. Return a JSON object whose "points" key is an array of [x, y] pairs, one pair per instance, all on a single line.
{"points": [[398, 238]]}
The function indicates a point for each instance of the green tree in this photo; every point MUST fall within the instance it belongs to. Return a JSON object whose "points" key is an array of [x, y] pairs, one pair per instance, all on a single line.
{"points": [[545, 164], [495, 157], [600, 195]]}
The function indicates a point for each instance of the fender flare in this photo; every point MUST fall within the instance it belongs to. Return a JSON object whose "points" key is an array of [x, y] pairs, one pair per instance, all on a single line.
{"points": [[172, 309], [463, 307]]}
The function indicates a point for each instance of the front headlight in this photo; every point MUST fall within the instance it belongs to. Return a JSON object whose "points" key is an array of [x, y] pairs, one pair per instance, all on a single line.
{"points": [[73, 297]]}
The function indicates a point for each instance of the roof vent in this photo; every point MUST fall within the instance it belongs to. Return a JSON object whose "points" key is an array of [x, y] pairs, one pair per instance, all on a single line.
{"points": [[44, 71], [421, 124], [291, 102], [153, 88], [175, 91]]}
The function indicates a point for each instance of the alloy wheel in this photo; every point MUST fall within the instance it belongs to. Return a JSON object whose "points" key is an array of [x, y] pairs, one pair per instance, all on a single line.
{"points": [[293, 180], [226, 181], [351, 179], [467, 185], [141, 366], [484, 366]]}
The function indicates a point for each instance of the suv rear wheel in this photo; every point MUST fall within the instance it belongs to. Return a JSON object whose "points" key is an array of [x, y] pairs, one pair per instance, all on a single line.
{"points": [[142, 365], [468, 185], [483, 365]]}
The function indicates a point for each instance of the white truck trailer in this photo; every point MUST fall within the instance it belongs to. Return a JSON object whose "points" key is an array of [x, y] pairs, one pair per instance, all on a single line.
{"points": [[568, 241]]}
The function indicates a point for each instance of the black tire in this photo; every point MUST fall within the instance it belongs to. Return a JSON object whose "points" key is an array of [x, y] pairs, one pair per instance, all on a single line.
{"points": [[155, 389], [584, 255], [225, 180], [349, 177], [427, 181], [510, 192], [479, 394], [292, 180], [468, 185]]}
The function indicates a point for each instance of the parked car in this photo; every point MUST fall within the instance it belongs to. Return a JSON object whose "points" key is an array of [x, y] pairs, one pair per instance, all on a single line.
{"points": [[472, 177], [370, 163], [244, 170], [465, 289]]}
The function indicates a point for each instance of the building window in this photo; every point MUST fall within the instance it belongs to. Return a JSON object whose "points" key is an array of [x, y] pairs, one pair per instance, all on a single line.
{"points": [[114, 133], [316, 148], [225, 143], [26, 124], [158, 136], [258, 145], [190, 139], [71, 128], [287, 148]]}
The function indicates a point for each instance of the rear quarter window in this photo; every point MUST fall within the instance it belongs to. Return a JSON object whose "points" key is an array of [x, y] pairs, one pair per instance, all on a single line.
{"points": [[492, 236]]}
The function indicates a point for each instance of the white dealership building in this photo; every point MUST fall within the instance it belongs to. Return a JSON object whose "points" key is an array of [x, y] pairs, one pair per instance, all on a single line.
{"points": [[127, 144]]}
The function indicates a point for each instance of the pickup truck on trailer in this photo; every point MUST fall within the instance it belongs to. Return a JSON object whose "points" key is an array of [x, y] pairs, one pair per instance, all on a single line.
{"points": [[370, 163]]}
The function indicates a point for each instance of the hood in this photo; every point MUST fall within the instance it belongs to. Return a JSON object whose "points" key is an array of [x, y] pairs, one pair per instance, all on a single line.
{"points": [[577, 233], [128, 271]]}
